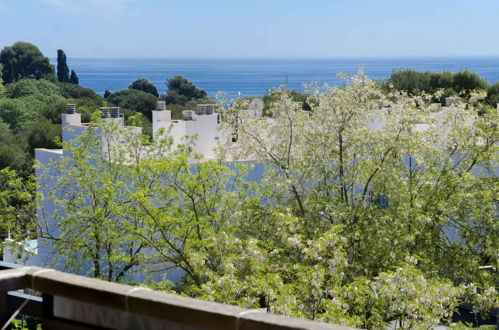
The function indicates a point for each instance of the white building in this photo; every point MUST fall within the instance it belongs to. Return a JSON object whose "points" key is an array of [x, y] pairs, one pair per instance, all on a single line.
{"points": [[203, 125], [199, 129]]}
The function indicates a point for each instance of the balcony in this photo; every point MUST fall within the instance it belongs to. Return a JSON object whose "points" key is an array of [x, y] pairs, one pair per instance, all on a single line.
{"points": [[67, 301]]}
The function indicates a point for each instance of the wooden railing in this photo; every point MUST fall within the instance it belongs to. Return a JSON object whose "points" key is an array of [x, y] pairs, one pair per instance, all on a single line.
{"points": [[75, 302]]}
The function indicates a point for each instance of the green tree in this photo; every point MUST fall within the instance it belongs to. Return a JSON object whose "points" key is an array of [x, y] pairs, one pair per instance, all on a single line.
{"points": [[342, 223], [93, 230], [72, 91], [2, 88], [13, 151], [62, 67], [493, 95], [24, 60], [73, 78], [24, 101], [144, 85], [181, 91], [134, 100], [467, 81], [17, 205]]}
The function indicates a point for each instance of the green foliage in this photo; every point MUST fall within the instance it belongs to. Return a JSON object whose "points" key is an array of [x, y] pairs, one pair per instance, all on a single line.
{"points": [[17, 204], [177, 109], [44, 134], [73, 78], [13, 151], [405, 295], [24, 60], [274, 95], [25, 99], [31, 87], [313, 238], [134, 100], [493, 95], [62, 67], [181, 91], [144, 85], [2, 88], [468, 81], [95, 235], [72, 91], [430, 82]]}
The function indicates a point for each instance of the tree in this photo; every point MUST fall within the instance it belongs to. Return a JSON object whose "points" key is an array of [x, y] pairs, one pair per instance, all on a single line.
{"points": [[145, 86], [24, 60], [72, 91], [73, 78], [25, 99], [62, 67], [333, 220], [466, 81], [93, 229], [181, 91], [493, 95], [2, 88], [134, 100], [17, 205]]}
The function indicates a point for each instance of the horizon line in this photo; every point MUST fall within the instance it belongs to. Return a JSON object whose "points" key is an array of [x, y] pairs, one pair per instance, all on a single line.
{"points": [[388, 57]]}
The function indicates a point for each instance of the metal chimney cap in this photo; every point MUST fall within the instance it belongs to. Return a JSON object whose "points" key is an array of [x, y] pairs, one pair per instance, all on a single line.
{"points": [[70, 108], [105, 112], [115, 112], [160, 105]]}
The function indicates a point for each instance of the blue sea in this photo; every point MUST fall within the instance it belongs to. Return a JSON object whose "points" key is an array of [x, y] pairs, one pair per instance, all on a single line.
{"points": [[252, 77]]}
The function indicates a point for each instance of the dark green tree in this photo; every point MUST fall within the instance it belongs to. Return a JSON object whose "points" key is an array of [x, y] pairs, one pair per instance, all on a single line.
{"points": [[62, 67], [467, 81], [493, 95], [25, 60], [72, 91], [181, 91], [73, 78], [2, 88], [134, 100], [144, 85]]}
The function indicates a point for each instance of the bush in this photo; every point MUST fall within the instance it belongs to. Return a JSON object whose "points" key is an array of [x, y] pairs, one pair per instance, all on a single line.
{"points": [[72, 91], [28, 87], [134, 100], [145, 86]]}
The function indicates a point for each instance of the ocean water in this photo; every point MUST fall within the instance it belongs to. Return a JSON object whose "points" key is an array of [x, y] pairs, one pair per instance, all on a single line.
{"points": [[252, 77]]}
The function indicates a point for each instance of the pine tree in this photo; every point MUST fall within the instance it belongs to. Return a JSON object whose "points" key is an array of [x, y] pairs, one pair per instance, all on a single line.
{"points": [[62, 67], [73, 79]]}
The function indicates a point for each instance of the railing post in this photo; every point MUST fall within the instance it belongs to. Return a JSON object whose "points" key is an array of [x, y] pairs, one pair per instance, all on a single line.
{"points": [[4, 309], [47, 310]]}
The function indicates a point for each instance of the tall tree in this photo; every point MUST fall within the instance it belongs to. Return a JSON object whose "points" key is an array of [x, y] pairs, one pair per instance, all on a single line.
{"points": [[73, 78], [25, 60], [181, 91], [145, 86], [62, 67], [2, 88]]}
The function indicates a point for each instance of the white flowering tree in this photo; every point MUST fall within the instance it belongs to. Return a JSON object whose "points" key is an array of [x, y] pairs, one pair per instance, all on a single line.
{"points": [[363, 214]]}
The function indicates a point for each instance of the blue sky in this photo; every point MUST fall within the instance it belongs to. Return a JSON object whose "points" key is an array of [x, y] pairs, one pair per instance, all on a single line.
{"points": [[254, 28]]}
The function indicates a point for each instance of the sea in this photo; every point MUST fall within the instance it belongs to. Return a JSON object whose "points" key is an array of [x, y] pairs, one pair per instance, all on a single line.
{"points": [[255, 77]]}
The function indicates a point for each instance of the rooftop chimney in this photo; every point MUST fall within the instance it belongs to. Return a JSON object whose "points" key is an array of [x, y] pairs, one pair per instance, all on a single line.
{"points": [[188, 115], [70, 109], [105, 112], [115, 112], [201, 109], [160, 105]]}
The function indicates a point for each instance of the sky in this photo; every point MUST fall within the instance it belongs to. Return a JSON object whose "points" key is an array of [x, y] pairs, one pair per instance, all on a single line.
{"points": [[254, 28]]}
